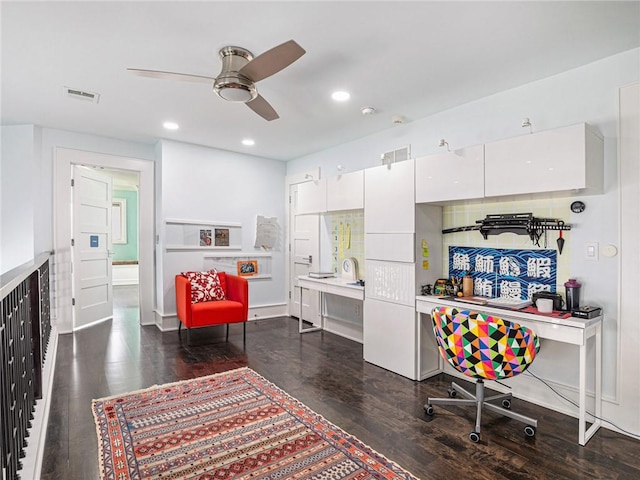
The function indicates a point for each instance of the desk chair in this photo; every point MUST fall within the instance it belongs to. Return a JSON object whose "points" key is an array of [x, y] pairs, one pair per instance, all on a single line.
{"points": [[485, 348]]}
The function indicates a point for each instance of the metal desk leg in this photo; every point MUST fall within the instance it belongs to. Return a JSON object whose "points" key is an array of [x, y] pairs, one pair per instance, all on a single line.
{"points": [[300, 322], [585, 434]]}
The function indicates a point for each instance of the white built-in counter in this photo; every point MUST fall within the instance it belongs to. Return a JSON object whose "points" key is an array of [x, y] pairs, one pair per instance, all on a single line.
{"points": [[347, 327]]}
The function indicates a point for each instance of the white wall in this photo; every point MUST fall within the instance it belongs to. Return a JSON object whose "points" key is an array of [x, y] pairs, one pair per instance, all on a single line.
{"points": [[52, 138], [26, 186], [19, 178], [586, 94], [629, 258], [200, 183]]}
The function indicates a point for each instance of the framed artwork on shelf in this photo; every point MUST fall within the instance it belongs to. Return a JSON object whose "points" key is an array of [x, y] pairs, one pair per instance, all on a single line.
{"points": [[221, 237], [247, 268], [205, 238]]}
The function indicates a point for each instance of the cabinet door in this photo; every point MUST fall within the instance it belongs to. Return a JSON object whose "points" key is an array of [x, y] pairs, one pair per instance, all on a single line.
{"points": [[345, 192], [390, 336], [389, 198], [553, 160], [312, 197], [454, 175], [394, 247], [391, 282]]}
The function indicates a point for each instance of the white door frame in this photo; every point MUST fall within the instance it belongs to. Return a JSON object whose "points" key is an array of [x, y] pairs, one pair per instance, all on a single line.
{"points": [[292, 180], [63, 159]]}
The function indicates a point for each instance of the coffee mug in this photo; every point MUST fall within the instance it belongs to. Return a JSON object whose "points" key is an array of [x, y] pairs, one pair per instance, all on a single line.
{"points": [[545, 305]]}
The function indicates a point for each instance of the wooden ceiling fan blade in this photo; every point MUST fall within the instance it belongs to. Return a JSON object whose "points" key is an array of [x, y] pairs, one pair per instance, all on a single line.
{"points": [[272, 61], [183, 77], [263, 108]]}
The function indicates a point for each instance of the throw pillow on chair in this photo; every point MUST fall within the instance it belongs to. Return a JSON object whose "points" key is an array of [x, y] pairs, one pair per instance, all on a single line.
{"points": [[205, 286]]}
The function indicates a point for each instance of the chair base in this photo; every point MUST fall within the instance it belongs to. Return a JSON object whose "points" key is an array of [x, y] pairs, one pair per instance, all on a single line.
{"points": [[244, 332], [480, 402]]}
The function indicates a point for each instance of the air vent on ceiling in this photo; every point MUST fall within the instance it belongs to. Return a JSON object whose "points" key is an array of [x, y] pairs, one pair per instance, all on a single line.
{"points": [[81, 94], [394, 156]]}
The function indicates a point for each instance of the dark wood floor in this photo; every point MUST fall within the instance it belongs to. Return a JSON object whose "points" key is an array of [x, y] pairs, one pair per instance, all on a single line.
{"points": [[327, 373]]}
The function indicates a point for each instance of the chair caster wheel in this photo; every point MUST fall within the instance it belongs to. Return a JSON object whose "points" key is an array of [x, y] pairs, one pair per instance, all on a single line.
{"points": [[530, 431], [474, 437], [452, 393], [506, 403], [428, 409]]}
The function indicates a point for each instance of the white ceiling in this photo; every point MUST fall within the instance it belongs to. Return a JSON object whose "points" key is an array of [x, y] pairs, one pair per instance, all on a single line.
{"points": [[403, 58]]}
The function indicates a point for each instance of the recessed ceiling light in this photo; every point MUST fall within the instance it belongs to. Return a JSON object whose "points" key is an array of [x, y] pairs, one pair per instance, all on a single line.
{"points": [[341, 96], [248, 142], [171, 125]]}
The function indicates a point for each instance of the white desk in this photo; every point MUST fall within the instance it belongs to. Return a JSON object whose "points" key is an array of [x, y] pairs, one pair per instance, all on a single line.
{"points": [[574, 331], [333, 285]]}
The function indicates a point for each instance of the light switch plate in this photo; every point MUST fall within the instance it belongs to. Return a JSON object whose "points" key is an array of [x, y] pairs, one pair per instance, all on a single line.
{"points": [[591, 251]]}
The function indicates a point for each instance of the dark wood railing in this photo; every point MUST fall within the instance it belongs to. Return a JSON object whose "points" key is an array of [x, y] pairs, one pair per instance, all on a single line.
{"points": [[25, 328]]}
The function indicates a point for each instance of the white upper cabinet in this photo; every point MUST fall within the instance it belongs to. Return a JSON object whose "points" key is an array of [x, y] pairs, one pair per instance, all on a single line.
{"points": [[392, 247], [562, 159], [312, 197], [345, 192], [456, 175], [389, 198]]}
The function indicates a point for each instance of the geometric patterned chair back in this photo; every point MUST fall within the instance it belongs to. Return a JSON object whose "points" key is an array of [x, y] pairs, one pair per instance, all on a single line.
{"points": [[483, 346]]}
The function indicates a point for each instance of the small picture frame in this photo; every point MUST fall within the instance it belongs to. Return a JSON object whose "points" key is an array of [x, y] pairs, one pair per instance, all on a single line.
{"points": [[221, 237], [247, 268], [205, 238]]}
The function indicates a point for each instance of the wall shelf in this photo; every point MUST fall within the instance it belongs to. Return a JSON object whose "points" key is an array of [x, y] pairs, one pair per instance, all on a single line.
{"points": [[178, 221], [518, 223], [170, 248], [239, 254], [194, 235], [228, 262]]}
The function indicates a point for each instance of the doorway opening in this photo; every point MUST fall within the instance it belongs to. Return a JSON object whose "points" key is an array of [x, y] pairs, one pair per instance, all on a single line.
{"points": [[63, 263], [125, 243]]}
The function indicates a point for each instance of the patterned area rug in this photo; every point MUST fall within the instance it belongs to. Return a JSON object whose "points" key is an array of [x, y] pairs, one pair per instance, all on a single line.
{"points": [[234, 424]]}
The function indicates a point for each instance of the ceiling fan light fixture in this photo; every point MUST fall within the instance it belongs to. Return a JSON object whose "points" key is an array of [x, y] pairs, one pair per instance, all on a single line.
{"points": [[235, 94], [235, 89]]}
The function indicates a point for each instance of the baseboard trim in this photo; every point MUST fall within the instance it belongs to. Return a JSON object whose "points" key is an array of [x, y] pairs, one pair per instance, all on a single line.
{"points": [[169, 322]]}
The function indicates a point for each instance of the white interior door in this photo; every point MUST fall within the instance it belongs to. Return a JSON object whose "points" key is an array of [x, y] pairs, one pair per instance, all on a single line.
{"points": [[91, 250], [304, 257]]}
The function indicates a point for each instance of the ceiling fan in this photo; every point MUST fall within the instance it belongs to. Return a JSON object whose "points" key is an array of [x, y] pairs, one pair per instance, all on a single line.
{"points": [[240, 72]]}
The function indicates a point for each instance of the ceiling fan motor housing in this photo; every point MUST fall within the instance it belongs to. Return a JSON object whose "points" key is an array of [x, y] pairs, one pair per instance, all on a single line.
{"points": [[230, 85]]}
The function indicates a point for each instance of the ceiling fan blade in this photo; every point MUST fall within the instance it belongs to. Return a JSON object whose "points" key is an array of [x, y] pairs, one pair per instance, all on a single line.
{"points": [[272, 61], [183, 77], [263, 108]]}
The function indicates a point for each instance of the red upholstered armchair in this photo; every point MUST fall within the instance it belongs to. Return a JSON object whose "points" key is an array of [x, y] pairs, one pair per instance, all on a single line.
{"points": [[234, 309]]}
